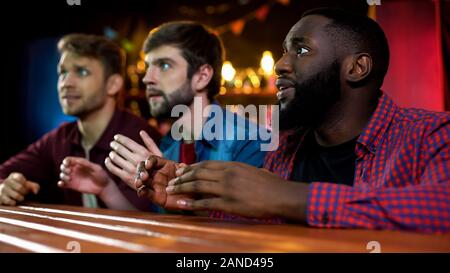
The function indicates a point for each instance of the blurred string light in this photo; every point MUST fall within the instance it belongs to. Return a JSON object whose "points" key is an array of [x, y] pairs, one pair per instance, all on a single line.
{"points": [[254, 79], [250, 80], [228, 71], [127, 45], [267, 63], [140, 66]]}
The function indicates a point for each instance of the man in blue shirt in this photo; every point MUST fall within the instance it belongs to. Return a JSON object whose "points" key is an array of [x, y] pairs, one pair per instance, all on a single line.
{"points": [[184, 61]]}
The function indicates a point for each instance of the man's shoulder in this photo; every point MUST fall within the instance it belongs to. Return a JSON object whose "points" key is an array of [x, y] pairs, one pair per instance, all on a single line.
{"points": [[421, 119], [130, 119], [130, 122], [62, 131]]}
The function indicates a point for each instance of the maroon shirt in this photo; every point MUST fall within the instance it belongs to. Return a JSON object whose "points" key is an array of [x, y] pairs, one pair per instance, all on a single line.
{"points": [[40, 161]]}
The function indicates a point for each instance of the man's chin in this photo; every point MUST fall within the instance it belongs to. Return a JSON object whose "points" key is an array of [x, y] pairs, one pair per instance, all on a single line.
{"points": [[70, 112]]}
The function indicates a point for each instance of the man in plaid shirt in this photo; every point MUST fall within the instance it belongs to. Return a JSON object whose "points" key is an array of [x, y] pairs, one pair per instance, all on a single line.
{"points": [[348, 156]]}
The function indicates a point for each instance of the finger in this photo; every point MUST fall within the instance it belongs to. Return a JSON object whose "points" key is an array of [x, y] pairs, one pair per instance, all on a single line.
{"points": [[197, 173], [82, 162], [146, 192], [142, 179], [122, 163], [62, 184], [141, 175], [33, 186], [215, 203], [123, 175], [150, 144], [154, 162], [66, 161], [13, 194], [19, 187], [141, 172], [18, 177], [64, 177], [124, 152], [7, 201], [198, 186], [130, 144], [209, 164], [64, 169]]}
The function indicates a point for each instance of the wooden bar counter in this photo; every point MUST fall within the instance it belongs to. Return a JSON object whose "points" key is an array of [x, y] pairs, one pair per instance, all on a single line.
{"points": [[56, 228]]}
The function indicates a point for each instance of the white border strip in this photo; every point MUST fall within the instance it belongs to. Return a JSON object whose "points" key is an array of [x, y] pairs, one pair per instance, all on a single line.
{"points": [[150, 222], [28, 245], [79, 235], [119, 228]]}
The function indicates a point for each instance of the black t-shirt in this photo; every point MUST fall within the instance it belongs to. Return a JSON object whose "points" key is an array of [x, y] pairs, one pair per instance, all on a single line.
{"points": [[315, 163]]}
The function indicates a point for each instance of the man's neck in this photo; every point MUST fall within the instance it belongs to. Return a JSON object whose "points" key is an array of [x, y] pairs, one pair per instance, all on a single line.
{"points": [[345, 121], [92, 125]]}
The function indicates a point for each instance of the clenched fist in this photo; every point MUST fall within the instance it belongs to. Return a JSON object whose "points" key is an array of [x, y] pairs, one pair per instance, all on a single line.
{"points": [[15, 188]]}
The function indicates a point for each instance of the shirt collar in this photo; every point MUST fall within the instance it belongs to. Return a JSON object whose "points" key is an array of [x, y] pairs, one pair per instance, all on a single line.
{"points": [[378, 124], [107, 136]]}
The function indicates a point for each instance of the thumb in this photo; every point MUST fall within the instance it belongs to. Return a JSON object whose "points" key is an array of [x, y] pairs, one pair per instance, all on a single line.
{"points": [[32, 186], [84, 163], [150, 144]]}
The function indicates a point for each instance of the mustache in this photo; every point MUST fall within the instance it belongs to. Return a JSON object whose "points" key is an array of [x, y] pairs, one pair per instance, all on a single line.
{"points": [[154, 92], [64, 92]]}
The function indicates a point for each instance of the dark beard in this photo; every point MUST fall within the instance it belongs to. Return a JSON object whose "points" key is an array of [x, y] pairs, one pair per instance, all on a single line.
{"points": [[183, 95], [313, 99]]}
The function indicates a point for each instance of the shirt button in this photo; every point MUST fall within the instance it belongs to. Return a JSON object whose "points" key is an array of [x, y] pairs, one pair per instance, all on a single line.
{"points": [[325, 218]]}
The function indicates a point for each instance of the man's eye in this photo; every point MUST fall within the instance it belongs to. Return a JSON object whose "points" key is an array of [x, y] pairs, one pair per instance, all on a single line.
{"points": [[82, 72], [302, 50], [165, 66], [62, 73]]}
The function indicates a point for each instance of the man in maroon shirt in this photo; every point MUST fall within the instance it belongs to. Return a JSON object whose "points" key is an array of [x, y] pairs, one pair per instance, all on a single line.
{"points": [[90, 77]]}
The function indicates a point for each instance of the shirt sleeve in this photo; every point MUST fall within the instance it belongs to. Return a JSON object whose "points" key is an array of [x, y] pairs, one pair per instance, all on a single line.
{"points": [[422, 205], [34, 162]]}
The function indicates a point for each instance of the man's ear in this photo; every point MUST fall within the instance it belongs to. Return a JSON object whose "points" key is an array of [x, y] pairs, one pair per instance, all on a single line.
{"points": [[357, 67], [202, 77], [114, 84]]}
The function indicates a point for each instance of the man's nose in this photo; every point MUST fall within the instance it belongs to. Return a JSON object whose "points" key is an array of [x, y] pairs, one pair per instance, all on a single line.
{"points": [[150, 76], [68, 80], [283, 65]]}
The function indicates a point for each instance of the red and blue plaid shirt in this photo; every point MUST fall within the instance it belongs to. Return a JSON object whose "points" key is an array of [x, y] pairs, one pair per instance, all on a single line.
{"points": [[402, 174]]}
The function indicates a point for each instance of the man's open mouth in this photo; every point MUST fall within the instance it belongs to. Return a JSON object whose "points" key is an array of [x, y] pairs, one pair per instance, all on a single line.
{"points": [[285, 87]]}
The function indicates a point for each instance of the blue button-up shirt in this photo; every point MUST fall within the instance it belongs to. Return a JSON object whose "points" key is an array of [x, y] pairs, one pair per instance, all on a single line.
{"points": [[229, 147]]}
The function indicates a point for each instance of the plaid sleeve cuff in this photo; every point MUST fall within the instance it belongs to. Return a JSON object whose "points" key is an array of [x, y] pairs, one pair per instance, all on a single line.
{"points": [[325, 204]]}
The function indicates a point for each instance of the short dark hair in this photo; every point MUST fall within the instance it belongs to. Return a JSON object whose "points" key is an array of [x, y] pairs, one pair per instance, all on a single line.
{"points": [[106, 51], [358, 33], [198, 45]]}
